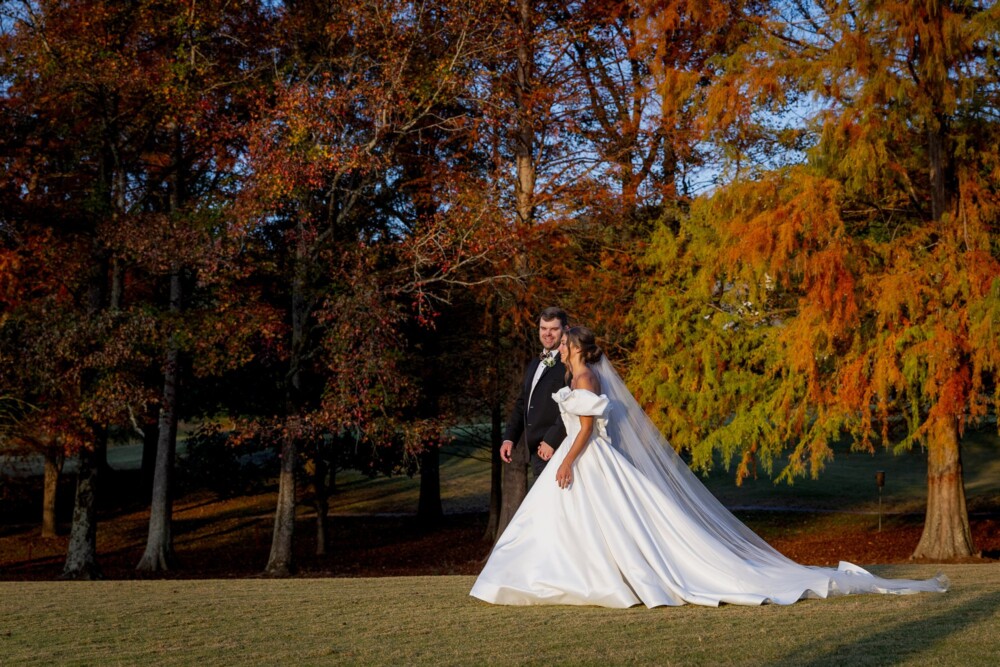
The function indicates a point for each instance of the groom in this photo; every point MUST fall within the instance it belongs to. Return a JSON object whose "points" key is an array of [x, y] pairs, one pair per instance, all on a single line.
{"points": [[534, 428]]}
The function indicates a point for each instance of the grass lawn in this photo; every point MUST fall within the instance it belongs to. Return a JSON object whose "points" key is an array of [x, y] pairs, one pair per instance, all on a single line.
{"points": [[431, 620]]}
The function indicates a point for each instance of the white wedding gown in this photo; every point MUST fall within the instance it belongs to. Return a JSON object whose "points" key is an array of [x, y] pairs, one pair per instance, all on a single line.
{"points": [[617, 537]]}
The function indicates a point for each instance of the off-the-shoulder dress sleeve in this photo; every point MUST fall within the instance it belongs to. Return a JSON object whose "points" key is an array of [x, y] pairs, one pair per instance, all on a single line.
{"points": [[581, 402]]}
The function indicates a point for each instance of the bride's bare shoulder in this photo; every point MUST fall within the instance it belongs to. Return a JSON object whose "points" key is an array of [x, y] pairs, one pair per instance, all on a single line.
{"points": [[587, 379]]}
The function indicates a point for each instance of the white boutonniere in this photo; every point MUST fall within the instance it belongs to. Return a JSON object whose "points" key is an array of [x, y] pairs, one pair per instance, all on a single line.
{"points": [[548, 359]]}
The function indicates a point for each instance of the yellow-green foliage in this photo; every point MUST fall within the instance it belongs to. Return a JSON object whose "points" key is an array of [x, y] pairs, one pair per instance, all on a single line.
{"points": [[842, 294]]}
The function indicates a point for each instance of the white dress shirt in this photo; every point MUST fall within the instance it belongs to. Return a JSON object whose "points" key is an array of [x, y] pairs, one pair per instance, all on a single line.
{"points": [[538, 373]]}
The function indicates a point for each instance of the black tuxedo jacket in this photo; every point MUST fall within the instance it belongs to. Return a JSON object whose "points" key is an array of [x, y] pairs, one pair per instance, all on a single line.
{"points": [[538, 419]]}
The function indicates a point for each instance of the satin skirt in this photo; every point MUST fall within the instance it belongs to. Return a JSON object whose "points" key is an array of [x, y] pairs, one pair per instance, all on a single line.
{"points": [[615, 539]]}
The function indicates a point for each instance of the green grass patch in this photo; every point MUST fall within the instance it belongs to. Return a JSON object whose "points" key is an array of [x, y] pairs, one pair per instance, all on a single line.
{"points": [[431, 620], [465, 487], [847, 483]]}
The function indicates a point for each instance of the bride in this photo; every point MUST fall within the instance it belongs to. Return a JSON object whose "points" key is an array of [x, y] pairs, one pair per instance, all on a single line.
{"points": [[617, 519]]}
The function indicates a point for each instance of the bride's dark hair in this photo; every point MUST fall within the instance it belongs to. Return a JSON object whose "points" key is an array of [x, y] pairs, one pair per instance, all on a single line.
{"points": [[584, 338]]}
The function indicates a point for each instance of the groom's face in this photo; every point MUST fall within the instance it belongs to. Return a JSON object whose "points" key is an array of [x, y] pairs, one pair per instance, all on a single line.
{"points": [[550, 333]]}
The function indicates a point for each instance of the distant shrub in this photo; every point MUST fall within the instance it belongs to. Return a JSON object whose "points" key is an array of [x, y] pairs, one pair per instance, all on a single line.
{"points": [[217, 461]]}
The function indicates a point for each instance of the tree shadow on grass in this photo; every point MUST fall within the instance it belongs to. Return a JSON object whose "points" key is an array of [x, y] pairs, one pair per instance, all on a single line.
{"points": [[909, 639], [239, 546]]}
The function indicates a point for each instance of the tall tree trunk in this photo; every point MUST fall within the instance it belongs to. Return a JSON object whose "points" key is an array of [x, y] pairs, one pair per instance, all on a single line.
{"points": [[496, 426], [429, 510], [280, 562], [946, 526], [54, 457], [524, 133], [496, 474], [321, 501], [514, 486], [159, 554], [150, 439], [81, 555], [117, 283], [938, 165]]}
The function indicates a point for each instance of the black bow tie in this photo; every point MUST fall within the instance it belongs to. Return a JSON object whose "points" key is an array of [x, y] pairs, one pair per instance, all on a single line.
{"points": [[544, 355]]}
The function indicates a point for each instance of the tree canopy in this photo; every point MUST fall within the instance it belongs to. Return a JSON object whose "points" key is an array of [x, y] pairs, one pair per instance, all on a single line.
{"points": [[852, 292], [333, 224]]}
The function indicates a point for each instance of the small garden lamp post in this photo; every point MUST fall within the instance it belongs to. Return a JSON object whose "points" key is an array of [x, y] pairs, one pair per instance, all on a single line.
{"points": [[880, 482]]}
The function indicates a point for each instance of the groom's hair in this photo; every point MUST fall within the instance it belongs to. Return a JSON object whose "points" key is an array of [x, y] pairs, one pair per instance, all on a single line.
{"points": [[553, 313]]}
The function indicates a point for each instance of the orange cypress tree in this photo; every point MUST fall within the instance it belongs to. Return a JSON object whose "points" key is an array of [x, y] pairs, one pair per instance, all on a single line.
{"points": [[856, 292]]}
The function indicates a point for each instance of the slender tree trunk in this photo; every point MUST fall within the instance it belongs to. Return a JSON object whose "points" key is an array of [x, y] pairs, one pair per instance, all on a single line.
{"points": [[280, 562], [321, 501], [496, 475], [670, 172], [946, 526], [150, 439], [54, 457], [117, 282], [159, 554], [429, 510], [514, 486], [496, 425], [81, 555], [524, 137], [938, 166]]}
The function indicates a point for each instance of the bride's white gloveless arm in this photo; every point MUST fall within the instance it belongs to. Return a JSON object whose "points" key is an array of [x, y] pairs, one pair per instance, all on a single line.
{"points": [[564, 475]]}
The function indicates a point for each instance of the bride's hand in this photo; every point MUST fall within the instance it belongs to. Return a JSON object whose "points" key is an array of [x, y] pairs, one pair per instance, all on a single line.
{"points": [[564, 476]]}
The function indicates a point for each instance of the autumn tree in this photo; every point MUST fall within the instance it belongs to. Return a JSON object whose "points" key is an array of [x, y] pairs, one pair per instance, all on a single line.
{"points": [[76, 135], [854, 292], [640, 72], [33, 421], [27, 430], [121, 152], [359, 87], [524, 94], [199, 82], [614, 105]]}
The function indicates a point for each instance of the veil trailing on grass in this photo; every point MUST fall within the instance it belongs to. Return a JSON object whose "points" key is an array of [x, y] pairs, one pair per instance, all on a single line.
{"points": [[635, 436]]}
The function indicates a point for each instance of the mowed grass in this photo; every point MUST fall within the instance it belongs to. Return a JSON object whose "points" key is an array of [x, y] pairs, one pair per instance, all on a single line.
{"points": [[433, 621]]}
